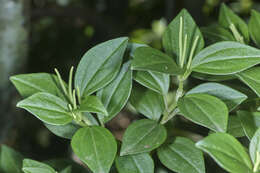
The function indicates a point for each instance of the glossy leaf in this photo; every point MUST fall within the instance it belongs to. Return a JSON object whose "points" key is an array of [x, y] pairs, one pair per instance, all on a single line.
{"points": [[156, 81], [31, 166], [205, 110], [92, 104], [100, 65], [142, 136], [225, 58], [235, 127], [147, 102], [131, 47], [10, 160], [251, 77], [212, 78], [137, 163], [254, 146], [171, 36], [228, 17], [96, 147], [227, 152], [115, 95], [48, 108], [250, 122], [64, 131], [253, 26], [150, 59], [29, 84], [229, 96], [182, 156]]}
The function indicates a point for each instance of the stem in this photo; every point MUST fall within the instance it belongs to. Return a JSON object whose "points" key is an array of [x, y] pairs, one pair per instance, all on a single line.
{"points": [[180, 39], [78, 95], [236, 34], [184, 50], [256, 166], [74, 99], [194, 45]]}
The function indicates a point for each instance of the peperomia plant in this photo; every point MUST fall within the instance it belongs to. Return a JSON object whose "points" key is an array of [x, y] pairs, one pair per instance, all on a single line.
{"points": [[223, 106]]}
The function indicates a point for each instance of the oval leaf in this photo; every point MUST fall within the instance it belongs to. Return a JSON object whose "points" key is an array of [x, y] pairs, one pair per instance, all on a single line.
{"points": [[150, 59], [137, 163], [48, 108], [251, 77], [231, 97], [253, 26], [156, 81], [227, 152], [142, 136], [147, 102], [96, 147], [182, 156], [92, 104], [225, 57], [254, 147], [100, 65], [171, 36], [31, 166], [115, 95], [235, 127], [64, 131], [205, 110]]}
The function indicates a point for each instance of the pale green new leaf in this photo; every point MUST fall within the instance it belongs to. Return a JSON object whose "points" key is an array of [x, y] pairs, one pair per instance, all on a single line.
{"points": [[92, 104], [48, 108], [96, 147], [100, 65], [254, 146], [227, 152], [205, 110], [32, 166], [225, 57], [142, 136], [182, 156]]}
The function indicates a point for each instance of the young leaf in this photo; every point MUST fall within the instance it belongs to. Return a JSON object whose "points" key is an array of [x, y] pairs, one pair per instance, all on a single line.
{"points": [[251, 77], [182, 25], [31, 166], [150, 59], [48, 108], [205, 110], [229, 96], [10, 160], [96, 147], [228, 17], [136, 163], [182, 156], [147, 102], [142, 136], [225, 57], [253, 26], [250, 122], [254, 147], [64, 131], [29, 84], [92, 104], [156, 81], [100, 65], [115, 95], [235, 127], [227, 152]]}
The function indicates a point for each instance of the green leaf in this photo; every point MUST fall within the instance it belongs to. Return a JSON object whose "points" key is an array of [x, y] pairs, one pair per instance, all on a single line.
{"points": [[100, 65], [251, 77], [228, 17], [150, 59], [229, 96], [10, 160], [115, 95], [216, 33], [205, 110], [48, 108], [182, 156], [156, 81], [227, 152], [66, 170], [225, 57], [171, 35], [137, 163], [64, 131], [142, 136], [253, 26], [92, 104], [235, 127], [254, 146], [212, 78], [31, 166], [147, 102], [131, 47], [96, 147], [250, 122], [29, 84]]}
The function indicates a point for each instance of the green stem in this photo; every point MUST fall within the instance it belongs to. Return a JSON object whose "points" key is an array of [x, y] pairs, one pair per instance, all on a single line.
{"points": [[256, 166], [70, 85], [180, 39]]}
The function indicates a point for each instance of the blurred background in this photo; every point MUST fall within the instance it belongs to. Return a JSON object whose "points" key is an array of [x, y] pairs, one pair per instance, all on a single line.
{"points": [[40, 35]]}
